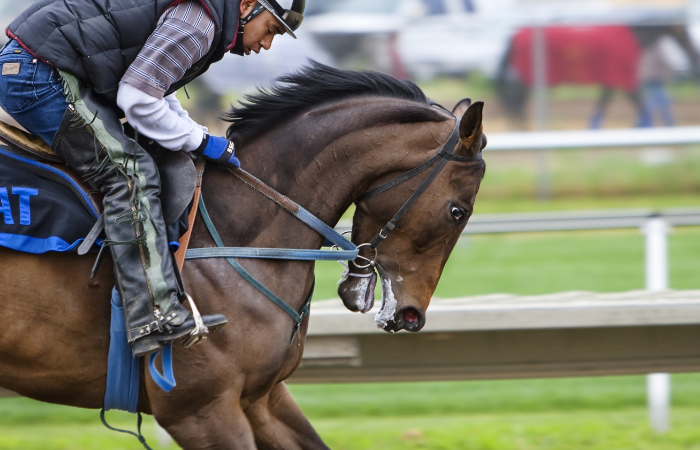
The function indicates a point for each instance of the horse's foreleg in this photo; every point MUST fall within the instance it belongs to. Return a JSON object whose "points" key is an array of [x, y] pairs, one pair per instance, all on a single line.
{"points": [[219, 425], [278, 423]]}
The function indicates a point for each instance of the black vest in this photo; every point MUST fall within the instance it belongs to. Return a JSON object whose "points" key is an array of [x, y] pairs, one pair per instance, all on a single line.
{"points": [[97, 40]]}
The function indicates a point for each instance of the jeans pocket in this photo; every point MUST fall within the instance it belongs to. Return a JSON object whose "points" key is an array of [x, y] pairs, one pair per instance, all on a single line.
{"points": [[46, 81], [17, 91]]}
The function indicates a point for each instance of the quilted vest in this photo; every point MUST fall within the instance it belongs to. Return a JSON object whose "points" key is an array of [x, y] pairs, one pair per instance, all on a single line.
{"points": [[97, 40]]}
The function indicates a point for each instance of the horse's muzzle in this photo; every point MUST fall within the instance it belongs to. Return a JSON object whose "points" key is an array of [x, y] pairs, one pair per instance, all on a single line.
{"points": [[407, 318]]}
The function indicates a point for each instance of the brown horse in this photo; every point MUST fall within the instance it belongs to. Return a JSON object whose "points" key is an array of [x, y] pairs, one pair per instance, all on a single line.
{"points": [[322, 138]]}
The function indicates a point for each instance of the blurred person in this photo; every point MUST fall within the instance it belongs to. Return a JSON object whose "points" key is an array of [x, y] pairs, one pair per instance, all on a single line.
{"points": [[72, 70], [655, 72], [655, 68]]}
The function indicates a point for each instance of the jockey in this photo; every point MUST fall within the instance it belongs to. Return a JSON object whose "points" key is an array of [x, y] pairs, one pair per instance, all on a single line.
{"points": [[73, 69]]}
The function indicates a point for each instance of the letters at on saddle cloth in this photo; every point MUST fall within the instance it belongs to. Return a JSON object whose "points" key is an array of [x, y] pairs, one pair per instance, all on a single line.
{"points": [[39, 210]]}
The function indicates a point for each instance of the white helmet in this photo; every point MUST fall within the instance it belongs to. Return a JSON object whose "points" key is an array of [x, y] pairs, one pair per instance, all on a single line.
{"points": [[290, 13]]}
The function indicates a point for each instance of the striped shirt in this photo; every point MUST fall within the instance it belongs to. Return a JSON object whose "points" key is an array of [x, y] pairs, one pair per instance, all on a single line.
{"points": [[184, 34]]}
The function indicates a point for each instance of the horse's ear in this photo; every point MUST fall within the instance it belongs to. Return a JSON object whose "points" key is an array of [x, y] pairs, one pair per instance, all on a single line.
{"points": [[461, 107], [471, 130]]}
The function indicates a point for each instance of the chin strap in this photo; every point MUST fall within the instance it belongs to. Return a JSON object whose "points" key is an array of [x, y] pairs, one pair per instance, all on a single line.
{"points": [[238, 46]]}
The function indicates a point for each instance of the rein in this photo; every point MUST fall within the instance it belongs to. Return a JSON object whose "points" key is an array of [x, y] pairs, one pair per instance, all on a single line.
{"points": [[346, 250]]}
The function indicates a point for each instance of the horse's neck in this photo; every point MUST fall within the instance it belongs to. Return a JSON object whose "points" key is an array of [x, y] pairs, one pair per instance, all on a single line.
{"points": [[321, 161]]}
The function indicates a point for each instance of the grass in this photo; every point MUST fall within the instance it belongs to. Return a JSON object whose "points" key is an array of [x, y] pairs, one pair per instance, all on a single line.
{"points": [[620, 430], [592, 174], [574, 413]]}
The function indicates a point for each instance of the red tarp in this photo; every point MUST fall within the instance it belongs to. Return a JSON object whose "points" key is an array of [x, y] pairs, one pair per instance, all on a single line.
{"points": [[607, 55]]}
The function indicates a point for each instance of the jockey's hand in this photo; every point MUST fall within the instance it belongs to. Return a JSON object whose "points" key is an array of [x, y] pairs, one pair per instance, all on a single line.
{"points": [[218, 149]]}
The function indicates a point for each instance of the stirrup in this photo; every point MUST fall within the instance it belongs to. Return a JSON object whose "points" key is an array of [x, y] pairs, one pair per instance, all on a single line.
{"points": [[200, 332]]}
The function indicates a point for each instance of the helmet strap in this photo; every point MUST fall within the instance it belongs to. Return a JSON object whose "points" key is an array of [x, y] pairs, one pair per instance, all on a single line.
{"points": [[238, 48]]}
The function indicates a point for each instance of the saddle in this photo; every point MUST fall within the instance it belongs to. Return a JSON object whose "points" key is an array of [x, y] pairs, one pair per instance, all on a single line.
{"points": [[67, 208]]}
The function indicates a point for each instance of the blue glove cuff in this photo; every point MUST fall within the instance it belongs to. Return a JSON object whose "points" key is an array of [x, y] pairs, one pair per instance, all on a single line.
{"points": [[221, 150]]}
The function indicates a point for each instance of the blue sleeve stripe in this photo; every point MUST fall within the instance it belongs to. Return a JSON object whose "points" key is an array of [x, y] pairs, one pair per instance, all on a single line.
{"points": [[36, 245]]}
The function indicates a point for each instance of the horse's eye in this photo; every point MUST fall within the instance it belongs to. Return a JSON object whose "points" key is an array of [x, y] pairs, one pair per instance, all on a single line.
{"points": [[457, 213]]}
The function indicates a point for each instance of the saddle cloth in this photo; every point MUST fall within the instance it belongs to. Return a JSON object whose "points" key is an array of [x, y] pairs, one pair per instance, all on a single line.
{"points": [[45, 206]]}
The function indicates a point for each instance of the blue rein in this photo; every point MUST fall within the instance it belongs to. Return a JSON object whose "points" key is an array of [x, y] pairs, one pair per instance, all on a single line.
{"points": [[349, 251]]}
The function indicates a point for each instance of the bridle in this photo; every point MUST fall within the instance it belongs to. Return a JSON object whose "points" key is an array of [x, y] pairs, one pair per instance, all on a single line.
{"points": [[442, 157], [341, 248]]}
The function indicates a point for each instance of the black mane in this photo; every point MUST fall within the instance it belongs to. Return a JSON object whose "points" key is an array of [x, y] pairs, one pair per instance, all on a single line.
{"points": [[312, 86]]}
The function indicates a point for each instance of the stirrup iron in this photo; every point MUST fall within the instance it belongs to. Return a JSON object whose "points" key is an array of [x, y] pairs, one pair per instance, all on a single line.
{"points": [[200, 332]]}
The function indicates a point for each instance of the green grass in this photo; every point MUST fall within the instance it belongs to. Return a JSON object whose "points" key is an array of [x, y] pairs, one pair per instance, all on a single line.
{"points": [[593, 174], [619, 430], [574, 413], [30, 425]]}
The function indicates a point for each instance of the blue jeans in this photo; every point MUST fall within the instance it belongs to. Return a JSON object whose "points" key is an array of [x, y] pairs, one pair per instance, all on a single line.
{"points": [[33, 97]]}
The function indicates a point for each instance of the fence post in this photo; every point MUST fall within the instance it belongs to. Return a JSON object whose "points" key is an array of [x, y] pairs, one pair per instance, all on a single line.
{"points": [[656, 232], [540, 106]]}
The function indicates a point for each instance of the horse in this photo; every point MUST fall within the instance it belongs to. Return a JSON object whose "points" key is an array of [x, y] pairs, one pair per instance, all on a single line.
{"points": [[322, 137], [605, 55]]}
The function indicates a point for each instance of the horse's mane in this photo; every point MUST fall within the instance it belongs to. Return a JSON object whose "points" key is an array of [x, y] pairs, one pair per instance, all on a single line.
{"points": [[312, 86]]}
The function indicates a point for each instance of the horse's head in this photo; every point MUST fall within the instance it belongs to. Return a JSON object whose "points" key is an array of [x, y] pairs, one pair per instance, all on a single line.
{"points": [[411, 259]]}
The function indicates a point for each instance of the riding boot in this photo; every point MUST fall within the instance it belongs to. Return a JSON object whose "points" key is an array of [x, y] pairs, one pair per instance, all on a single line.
{"points": [[91, 140]]}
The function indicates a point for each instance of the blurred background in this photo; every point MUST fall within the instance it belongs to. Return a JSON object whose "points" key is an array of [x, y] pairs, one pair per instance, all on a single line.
{"points": [[539, 66]]}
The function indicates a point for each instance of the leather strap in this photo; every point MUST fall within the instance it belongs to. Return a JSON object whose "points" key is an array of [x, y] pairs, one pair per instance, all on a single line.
{"points": [[166, 380], [297, 317], [282, 200], [185, 239], [444, 155]]}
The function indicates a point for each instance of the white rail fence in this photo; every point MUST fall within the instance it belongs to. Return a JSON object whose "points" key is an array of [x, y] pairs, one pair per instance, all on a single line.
{"points": [[655, 227], [658, 385]]}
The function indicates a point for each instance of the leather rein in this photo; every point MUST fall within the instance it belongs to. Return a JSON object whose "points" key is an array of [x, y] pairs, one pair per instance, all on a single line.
{"points": [[346, 250]]}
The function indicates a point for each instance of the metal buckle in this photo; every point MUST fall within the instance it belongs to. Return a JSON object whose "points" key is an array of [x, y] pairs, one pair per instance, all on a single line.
{"points": [[370, 262], [200, 332]]}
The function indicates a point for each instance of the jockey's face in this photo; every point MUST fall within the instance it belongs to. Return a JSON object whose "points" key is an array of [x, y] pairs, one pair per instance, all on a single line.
{"points": [[259, 32]]}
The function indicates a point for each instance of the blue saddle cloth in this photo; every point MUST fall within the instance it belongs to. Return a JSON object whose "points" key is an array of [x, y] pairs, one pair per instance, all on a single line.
{"points": [[41, 208]]}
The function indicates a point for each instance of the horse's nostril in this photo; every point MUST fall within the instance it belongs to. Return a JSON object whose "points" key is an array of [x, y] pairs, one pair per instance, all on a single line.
{"points": [[410, 315]]}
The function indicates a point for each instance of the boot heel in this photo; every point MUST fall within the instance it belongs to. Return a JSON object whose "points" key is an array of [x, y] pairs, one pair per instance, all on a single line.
{"points": [[144, 347]]}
